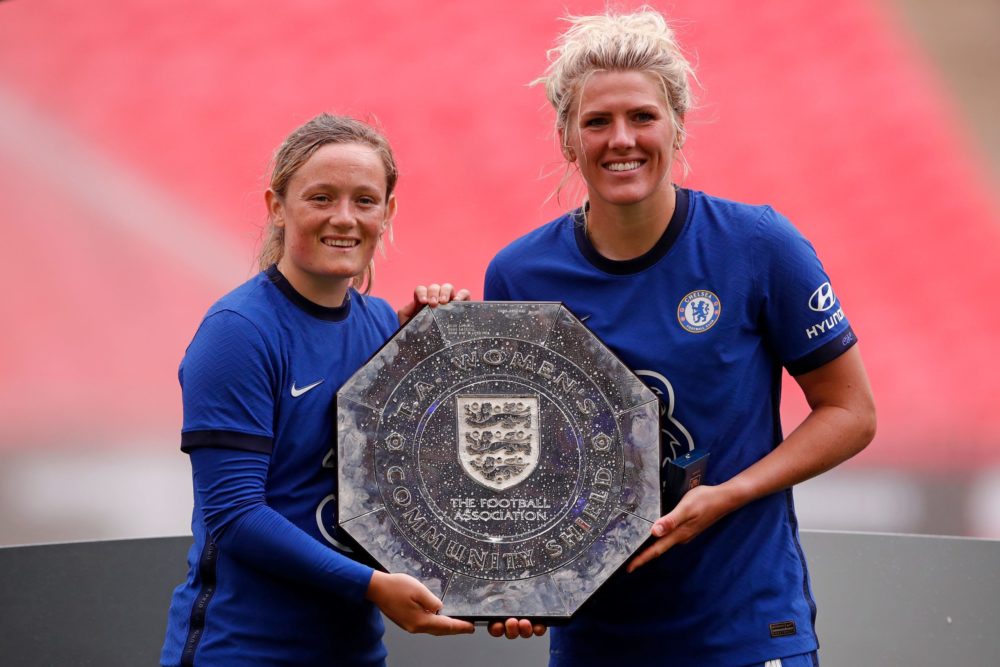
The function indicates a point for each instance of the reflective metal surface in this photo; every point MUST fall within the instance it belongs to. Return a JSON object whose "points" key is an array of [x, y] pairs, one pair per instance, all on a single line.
{"points": [[502, 455]]}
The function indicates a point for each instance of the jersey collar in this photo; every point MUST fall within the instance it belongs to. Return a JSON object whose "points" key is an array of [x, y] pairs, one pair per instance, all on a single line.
{"points": [[335, 314], [644, 261]]}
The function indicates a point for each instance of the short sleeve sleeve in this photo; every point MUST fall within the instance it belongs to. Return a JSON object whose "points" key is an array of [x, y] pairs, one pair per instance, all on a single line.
{"points": [[803, 318], [390, 320], [494, 288], [227, 379]]}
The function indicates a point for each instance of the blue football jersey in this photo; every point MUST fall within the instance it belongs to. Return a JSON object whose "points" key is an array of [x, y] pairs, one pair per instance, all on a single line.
{"points": [[270, 580], [708, 317]]}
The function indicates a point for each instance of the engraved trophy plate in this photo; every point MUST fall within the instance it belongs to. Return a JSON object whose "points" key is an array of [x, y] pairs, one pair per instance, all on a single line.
{"points": [[502, 455], [498, 438]]}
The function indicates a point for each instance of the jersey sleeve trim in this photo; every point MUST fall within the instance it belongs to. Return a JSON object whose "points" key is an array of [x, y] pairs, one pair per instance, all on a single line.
{"points": [[823, 354], [247, 442]]}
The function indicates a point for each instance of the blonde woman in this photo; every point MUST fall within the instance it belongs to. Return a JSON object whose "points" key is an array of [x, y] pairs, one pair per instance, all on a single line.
{"points": [[707, 300]]}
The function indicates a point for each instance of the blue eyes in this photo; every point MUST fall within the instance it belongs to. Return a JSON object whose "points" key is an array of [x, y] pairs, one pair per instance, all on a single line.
{"points": [[638, 117], [364, 200]]}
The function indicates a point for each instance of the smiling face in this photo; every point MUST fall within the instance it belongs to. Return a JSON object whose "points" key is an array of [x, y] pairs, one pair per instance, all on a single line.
{"points": [[333, 212], [621, 134]]}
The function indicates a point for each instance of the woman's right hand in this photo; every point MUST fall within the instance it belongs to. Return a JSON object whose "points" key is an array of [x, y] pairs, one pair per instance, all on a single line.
{"points": [[430, 295], [411, 606]]}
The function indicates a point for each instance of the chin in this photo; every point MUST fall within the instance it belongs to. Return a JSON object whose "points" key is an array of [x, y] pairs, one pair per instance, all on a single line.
{"points": [[335, 271], [626, 199], [346, 274]]}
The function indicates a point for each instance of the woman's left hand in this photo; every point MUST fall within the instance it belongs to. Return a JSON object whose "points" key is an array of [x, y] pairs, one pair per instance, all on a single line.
{"points": [[698, 509], [430, 295], [513, 628]]}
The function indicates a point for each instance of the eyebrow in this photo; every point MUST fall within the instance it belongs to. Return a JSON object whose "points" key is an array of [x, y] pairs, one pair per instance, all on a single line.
{"points": [[326, 185], [604, 112]]}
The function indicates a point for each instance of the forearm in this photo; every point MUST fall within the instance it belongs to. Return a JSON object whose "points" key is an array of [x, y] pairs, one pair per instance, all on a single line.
{"points": [[840, 424], [269, 542], [827, 437], [230, 489]]}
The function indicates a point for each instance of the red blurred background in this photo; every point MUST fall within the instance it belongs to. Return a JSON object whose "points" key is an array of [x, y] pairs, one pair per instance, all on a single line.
{"points": [[134, 143]]}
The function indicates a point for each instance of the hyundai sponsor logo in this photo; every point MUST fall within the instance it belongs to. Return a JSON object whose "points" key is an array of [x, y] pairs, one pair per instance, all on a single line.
{"points": [[823, 298], [826, 325]]}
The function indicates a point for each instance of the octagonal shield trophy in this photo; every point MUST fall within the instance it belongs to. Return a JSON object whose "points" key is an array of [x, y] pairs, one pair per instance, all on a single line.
{"points": [[502, 455]]}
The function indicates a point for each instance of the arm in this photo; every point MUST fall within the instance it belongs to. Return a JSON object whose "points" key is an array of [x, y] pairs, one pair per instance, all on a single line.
{"points": [[229, 485], [227, 378], [841, 423]]}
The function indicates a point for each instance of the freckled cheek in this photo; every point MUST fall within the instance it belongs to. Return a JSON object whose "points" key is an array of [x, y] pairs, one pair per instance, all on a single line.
{"points": [[373, 225], [300, 244]]}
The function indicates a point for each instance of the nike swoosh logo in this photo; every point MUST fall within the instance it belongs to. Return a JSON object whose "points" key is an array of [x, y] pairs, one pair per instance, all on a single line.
{"points": [[298, 391]]}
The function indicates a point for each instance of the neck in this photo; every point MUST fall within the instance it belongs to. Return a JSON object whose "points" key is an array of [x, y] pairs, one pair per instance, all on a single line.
{"points": [[625, 232], [325, 291]]}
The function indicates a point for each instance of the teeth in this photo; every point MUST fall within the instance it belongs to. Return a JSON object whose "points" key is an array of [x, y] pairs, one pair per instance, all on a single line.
{"points": [[623, 166], [340, 243]]}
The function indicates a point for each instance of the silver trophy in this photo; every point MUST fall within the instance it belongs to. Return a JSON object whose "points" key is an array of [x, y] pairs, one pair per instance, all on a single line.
{"points": [[501, 454]]}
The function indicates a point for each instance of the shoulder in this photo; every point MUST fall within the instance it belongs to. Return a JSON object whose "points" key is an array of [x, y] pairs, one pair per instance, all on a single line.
{"points": [[541, 251], [540, 241], [243, 319], [373, 312], [373, 308], [758, 228], [729, 214], [253, 300]]}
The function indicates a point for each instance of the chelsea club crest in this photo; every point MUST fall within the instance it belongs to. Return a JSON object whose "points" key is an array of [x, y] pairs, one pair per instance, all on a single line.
{"points": [[698, 311]]}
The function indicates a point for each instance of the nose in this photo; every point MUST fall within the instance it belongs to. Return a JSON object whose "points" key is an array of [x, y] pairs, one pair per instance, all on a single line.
{"points": [[341, 214], [622, 134]]}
